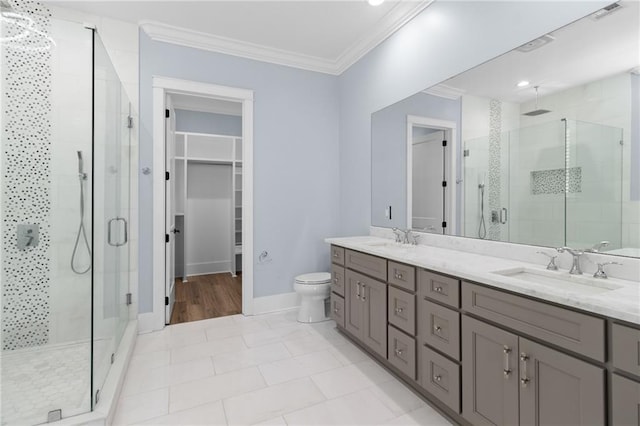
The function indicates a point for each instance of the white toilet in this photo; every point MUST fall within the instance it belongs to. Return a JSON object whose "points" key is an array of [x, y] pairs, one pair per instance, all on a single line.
{"points": [[314, 289]]}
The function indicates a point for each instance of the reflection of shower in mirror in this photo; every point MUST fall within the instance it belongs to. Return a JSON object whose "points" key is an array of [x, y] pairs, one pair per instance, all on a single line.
{"points": [[482, 228]]}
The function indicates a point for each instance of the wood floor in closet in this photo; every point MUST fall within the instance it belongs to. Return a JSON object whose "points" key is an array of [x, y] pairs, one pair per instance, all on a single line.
{"points": [[207, 296]]}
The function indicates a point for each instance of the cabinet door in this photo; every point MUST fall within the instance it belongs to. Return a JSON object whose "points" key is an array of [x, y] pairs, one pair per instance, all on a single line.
{"points": [[489, 374], [626, 402], [558, 389], [375, 316], [354, 306]]}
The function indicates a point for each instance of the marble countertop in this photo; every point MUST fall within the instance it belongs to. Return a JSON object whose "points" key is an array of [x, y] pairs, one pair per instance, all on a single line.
{"points": [[622, 303]]}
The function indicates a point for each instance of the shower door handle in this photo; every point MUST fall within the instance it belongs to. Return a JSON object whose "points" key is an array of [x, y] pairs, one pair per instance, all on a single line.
{"points": [[110, 227], [503, 215]]}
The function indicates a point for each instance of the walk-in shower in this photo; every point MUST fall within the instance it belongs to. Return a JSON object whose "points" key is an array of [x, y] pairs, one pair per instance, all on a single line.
{"points": [[65, 175]]}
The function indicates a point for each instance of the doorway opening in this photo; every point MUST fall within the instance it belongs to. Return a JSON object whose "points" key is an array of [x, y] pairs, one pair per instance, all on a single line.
{"points": [[207, 197]]}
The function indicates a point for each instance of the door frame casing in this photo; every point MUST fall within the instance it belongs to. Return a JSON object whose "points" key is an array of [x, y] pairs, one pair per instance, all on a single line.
{"points": [[161, 87], [447, 126]]}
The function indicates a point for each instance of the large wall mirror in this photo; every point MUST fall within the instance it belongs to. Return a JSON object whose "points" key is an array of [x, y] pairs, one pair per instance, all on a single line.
{"points": [[538, 146]]}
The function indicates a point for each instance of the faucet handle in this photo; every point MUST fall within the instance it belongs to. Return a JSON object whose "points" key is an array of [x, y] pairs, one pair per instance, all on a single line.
{"points": [[600, 272], [552, 260], [415, 238]]}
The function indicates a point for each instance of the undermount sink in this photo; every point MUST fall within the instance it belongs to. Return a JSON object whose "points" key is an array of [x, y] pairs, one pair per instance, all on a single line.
{"points": [[560, 280]]}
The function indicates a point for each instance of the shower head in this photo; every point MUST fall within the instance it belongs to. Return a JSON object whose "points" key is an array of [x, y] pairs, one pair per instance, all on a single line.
{"points": [[537, 111]]}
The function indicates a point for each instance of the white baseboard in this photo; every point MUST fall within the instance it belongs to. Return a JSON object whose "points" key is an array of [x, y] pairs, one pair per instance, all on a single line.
{"points": [[277, 302], [149, 321], [206, 268]]}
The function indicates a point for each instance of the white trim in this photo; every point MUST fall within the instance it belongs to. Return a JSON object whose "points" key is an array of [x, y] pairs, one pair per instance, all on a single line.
{"points": [[161, 86], [278, 302], [398, 15], [444, 91], [445, 125]]}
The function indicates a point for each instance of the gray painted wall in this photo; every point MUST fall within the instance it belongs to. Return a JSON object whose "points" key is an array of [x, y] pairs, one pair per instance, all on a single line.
{"points": [[296, 180], [389, 152], [446, 39], [206, 122]]}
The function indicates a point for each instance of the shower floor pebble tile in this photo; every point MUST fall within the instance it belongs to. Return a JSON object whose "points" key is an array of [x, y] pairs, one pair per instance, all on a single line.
{"points": [[267, 370]]}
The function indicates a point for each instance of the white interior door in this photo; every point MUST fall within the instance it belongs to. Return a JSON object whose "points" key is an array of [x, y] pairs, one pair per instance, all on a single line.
{"points": [[170, 209], [428, 174]]}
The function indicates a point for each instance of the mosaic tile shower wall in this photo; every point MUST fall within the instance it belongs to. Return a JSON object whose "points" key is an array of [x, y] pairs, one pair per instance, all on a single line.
{"points": [[495, 132], [26, 187]]}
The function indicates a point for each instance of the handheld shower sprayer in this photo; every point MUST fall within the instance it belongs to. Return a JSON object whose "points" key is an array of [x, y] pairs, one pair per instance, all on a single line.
{"points": [[82, 233], [482, 228]]}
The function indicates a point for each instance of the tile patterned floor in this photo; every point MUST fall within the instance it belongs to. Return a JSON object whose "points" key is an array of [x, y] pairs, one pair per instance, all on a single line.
{"points": [[38, 380], [267, 370]]}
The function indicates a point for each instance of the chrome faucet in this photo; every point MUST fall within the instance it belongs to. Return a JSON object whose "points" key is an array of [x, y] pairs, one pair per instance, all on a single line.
{"points": [[575, 268], [398, 233], [403, 236], [597, 247]]}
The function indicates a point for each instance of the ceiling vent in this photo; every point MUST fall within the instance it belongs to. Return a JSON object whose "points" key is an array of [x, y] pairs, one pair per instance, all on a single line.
{"points": [[606, 11], [536, 44]]}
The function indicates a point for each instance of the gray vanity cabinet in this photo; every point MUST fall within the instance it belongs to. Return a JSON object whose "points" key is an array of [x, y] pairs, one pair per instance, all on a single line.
{"points": [[366, 310], [489, 374], [511, 380], [625, 410], [558, 389]]}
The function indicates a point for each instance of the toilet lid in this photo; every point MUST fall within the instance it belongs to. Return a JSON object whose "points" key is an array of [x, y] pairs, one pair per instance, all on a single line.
{"points": [[314, 278]]}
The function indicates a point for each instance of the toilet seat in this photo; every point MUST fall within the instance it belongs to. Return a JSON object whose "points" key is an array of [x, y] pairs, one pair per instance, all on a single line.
{"points": [[314, 278]]}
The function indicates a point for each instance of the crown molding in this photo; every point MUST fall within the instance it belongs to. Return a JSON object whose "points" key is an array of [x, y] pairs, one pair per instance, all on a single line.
{"points": [[395, 19], [444, 91], [397, 16]]}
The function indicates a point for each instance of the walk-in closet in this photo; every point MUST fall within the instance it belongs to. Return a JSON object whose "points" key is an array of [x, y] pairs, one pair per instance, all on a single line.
{"points": [[208, 212]]}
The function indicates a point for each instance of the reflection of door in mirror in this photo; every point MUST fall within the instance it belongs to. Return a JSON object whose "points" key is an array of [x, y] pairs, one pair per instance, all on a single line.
{"points": [[431, 175], [428, 162]]}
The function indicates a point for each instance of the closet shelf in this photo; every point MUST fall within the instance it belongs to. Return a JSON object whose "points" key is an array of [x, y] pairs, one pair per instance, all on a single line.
{"points": [[179, 214], [238, 250], [209, 160]]}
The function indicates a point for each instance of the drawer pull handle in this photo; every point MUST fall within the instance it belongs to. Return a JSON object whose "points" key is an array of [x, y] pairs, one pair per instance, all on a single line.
{"points": [[438, 289], [398, 276], [399, 352], [335, 307], [363, 297], [437, 329], [335, 254], [524, 380], [399, 310], [437, 378], [358, 290], [507, 371], [335, 280]]}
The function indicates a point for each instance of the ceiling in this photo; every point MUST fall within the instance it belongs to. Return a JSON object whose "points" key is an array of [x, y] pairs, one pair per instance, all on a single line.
{"points": [[584, 51], [331, 34]]}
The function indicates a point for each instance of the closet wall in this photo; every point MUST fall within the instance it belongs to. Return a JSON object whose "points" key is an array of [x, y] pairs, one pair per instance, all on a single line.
{"points": [[208, 176]]}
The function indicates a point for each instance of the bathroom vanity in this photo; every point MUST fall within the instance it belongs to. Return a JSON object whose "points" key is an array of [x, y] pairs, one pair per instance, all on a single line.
{"points": [[490, 340]]}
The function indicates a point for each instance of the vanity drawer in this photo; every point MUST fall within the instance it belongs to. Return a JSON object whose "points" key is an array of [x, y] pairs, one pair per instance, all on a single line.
{"points": [[337, 255], [571, 330], [337, 279], [375, 267], [440, 377], [402, 352], [337, 309], [438, 287], [626, 348], [403, 276], [439, 327], [402, 310]]}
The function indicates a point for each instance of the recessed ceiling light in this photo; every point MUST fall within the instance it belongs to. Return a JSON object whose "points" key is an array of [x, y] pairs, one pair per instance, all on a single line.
{"points": [[523, 83], [375, 2]]}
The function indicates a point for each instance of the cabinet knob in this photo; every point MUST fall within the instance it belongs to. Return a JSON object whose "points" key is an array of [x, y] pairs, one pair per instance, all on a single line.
{"points": [[335, 254], [398, 276], [437, 378], [437, 329], [438, 289], [399, 310], [398, 352], [335, 280], [335, 310], [525, 381]]}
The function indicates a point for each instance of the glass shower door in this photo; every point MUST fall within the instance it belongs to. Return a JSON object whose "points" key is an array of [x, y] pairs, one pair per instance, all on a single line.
{"points": [[111, 207]]}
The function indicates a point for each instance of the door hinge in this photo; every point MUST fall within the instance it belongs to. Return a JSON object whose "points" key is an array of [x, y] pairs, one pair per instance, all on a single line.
{"points": [[113, 358], [444, 143], [166, 238], [465, 153], [130, 122], [166, 175], [444, 224], [166, 113], [128, 298], [166, 301], [444, 183]]}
